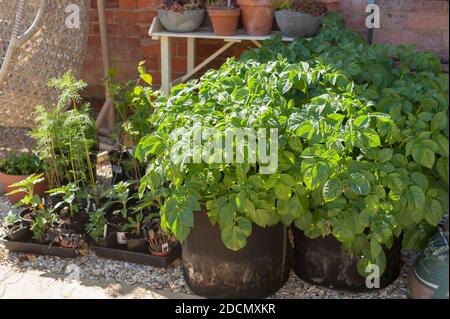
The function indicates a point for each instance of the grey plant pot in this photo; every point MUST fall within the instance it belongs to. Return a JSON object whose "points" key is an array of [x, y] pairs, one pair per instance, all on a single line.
{"points": [[186, 21], [296, 24]]}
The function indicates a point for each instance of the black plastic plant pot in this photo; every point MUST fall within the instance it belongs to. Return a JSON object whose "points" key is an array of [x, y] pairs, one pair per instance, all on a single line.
{"points": [[136, 257], [110, 241], [321, 261], [79, 222], [137, 245], [41, 249], [26, 216], [212, 270], [20, 232]]}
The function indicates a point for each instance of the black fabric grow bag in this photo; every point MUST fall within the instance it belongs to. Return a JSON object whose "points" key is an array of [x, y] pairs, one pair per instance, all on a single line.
{"points": [[256, 271], [321, 261]]}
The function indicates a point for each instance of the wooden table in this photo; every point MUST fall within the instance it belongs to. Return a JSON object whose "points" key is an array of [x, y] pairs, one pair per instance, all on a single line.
{"points": [[157, 32]]}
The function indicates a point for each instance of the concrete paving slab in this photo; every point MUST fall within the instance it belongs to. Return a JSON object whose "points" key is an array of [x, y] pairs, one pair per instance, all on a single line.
{"points": [[31, 284]]}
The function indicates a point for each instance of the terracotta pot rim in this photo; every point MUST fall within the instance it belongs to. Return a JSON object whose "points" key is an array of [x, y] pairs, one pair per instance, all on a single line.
{"points": [[255, 3], [224, 12], [15, 176]]}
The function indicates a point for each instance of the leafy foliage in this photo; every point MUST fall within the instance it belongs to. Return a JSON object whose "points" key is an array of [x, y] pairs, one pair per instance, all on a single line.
{"points": [[27, 186], [42, 222], [363, 143], [10, 219], [96, 225], [21, 164], [66, 140]]}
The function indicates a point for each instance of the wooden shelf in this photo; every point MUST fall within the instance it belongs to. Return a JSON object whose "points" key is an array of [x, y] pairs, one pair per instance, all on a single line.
{"points": [[157, 30]]}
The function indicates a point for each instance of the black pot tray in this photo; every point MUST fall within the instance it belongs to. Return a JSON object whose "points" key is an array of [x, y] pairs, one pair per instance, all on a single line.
{"points": [[138, 258], [33, 248]]}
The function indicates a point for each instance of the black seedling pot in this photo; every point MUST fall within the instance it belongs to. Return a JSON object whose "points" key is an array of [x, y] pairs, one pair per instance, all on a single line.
{"points": [[212, 270], [321, 261], [138, 245], [19, 232], [110, 241], [26, 216]]}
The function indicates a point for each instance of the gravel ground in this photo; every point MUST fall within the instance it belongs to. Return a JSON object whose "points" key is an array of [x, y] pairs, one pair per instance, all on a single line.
{"points": [[96, 268], [14, 136]]}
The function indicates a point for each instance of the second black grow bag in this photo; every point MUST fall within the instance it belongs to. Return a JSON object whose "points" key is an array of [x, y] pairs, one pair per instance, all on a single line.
{"points": [[321, 261], [212, 270]]}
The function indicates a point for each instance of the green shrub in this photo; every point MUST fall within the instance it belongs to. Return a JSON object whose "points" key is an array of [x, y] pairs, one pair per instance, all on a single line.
{"points": [[362, 140], [21, 164]]}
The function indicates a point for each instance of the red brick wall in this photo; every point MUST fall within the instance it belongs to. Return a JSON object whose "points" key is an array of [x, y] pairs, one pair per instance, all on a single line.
{"points": [[422, 22]]}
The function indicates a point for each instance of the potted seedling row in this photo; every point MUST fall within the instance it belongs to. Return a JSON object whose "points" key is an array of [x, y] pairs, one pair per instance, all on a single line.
{"points": [[66, 147], [124, 228], [36, 229]]}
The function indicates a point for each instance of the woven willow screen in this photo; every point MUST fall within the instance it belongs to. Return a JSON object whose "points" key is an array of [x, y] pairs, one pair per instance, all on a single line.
{"points": [[48, 50]]}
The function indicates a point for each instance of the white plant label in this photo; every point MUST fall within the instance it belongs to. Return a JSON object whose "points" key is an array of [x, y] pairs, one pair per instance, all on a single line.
{"points": [[121, 238], [165, 248]]}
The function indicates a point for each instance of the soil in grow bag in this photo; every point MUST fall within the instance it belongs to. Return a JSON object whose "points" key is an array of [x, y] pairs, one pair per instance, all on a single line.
{"points": [[212, 270], [321, 261]]}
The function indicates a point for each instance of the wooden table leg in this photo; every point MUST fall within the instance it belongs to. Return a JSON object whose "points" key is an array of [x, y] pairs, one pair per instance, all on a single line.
{"points": [[191, 53], [166, 70]]}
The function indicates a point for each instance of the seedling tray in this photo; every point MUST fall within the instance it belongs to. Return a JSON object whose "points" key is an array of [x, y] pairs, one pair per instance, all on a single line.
{"points": [[33, 248], [138, 258]]}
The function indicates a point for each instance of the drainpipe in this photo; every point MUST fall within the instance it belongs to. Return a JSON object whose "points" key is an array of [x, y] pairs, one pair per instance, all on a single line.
{"points": [[107, 111], [370, 31]]}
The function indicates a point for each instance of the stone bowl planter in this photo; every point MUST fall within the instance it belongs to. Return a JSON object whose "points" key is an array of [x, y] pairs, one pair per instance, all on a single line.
{"points": [[186, 21], [296, 25]]}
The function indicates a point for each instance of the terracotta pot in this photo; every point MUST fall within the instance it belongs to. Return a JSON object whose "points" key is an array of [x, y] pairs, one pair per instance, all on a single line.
{"points": [[332, 5], [7, 180], [257, 16], [224, 21]]}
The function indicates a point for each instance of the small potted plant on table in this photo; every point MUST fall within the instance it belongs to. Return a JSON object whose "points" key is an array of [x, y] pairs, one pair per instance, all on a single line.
{"points": [[18, 167], [181, 15], [299, 18], [257, 16], [224, 17]]}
